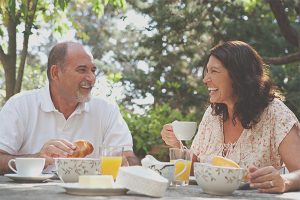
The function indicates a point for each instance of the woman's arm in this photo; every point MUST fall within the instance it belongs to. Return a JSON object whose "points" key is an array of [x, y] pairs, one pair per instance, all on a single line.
{"points": [[289, 149], [268, 179]]}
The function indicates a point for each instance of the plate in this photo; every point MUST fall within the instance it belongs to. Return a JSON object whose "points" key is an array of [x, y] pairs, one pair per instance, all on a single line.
{"points": [[75, 188], [29, 179]]}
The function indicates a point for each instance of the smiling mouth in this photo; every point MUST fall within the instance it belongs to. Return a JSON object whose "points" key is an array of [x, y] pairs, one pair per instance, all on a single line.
{"points": [[210, 90], [86, 85]]}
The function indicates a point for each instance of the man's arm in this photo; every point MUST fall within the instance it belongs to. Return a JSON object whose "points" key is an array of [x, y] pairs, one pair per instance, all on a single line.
{"points": [[131, 158], [53, 148], [5, 157]]}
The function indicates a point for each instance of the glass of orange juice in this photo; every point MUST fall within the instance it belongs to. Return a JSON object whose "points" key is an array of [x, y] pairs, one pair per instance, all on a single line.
{"points": [[183, 162], [111, 160]]}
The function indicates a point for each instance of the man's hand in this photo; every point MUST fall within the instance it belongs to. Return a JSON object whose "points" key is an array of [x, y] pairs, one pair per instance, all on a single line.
{"points": [[131, 158], [56, 148]]}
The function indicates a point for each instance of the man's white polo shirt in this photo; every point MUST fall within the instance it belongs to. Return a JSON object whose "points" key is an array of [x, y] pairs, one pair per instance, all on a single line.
{"points": [[29, 119]]}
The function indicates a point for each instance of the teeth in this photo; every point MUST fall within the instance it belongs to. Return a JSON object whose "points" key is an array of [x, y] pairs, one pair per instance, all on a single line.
{"points": [[85, 85], [212, 89]]}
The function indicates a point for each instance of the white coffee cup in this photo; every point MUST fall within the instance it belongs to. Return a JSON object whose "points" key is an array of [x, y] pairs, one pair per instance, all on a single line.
{"points": [[184, 130], [27, 166]]}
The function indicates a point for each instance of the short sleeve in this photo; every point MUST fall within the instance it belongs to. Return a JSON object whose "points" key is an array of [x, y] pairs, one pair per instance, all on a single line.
{"points": [[117, 131], [11, 127], [283, 120]]}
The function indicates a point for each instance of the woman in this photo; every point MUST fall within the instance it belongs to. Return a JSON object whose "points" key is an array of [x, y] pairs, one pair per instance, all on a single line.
{"points": [[246, 121]]}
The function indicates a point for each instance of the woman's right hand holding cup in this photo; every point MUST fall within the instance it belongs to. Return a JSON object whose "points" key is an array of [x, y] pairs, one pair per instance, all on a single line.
{"points": [[169, 137]]}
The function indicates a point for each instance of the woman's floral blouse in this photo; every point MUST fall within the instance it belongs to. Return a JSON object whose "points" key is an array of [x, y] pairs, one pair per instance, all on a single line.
{"points": [[258, 145]]}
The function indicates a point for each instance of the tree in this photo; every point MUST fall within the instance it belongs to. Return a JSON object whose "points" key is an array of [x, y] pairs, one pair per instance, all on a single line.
{"points": [[189, 28], [24, 16], [287, 28]]}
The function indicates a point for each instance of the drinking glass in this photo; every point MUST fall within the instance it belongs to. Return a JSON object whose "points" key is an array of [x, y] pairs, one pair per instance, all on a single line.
{"points": [[111, 160], [183, 159]]}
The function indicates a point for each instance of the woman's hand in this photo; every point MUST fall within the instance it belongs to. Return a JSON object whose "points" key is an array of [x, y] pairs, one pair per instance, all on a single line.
{"points": [[266, 179], [169, 137]]}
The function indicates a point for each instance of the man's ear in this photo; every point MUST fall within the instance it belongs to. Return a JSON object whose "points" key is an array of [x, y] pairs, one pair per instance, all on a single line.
{"points": [[54, 72]]}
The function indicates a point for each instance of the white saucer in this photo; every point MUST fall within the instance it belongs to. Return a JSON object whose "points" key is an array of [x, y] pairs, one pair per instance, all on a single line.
{"points": [[75, 188], [29, 179]]}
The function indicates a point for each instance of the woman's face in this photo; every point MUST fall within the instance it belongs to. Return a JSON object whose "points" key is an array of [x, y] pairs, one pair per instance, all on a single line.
{"points": [[218, 82]]}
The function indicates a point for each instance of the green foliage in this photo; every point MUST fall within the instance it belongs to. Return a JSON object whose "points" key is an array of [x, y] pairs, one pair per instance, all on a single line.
{"points": [[99, 5], [61, 3], [287, 78], [114, 77], [35, 75]]}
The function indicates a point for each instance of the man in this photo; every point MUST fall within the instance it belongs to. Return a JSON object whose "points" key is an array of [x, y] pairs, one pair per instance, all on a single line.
{"points": [[45, 122]]}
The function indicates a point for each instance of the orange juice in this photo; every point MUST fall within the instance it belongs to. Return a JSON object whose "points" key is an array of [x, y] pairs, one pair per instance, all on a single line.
{"points": [[110, 165], [179, 166]]}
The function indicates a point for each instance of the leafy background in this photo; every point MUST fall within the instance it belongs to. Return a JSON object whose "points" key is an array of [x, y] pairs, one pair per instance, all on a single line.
{"points": [[162, 60]]}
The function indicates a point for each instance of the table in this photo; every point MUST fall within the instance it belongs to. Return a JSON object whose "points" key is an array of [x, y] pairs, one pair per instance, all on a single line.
{"points": [[10, 190]]}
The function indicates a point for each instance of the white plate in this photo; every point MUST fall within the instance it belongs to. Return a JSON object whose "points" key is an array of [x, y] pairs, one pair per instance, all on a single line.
{"points": [[29, 179], [75, 188]]}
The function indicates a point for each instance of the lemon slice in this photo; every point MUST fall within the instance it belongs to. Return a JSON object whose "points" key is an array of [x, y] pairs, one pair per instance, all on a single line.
{"points": [[224, 162]]}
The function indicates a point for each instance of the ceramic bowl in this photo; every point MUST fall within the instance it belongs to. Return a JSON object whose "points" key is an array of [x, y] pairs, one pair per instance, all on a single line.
{"points": [[69, 169], [142, 180], [218, 180]]}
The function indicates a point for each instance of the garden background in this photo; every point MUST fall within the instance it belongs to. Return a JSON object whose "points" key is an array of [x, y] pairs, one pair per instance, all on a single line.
{"points": [[149, 53]]}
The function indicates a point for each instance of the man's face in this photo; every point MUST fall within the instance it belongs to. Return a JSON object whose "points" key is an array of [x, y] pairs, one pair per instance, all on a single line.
{"points": [[77, 77]]}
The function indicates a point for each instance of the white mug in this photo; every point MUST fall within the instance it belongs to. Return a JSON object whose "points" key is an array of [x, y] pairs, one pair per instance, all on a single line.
{"points": [[184, 130], [27, 166]]}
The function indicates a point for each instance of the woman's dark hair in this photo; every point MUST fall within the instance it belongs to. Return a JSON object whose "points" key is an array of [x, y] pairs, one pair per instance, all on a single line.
{"points": [[250, 82]]}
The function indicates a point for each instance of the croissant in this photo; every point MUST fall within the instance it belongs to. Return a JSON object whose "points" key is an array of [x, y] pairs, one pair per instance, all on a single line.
{"points": [[83, 148]]}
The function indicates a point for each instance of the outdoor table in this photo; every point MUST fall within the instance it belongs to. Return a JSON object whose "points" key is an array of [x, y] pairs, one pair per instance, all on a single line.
{"points": [[52, 191]]}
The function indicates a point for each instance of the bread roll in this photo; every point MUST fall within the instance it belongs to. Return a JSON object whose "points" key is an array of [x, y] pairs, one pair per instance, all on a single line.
{"points": [[83, 148]]}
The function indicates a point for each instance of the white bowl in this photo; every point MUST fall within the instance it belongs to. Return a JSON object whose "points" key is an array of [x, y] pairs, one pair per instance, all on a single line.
{"points": [[184, 130], [142, 180], [218, 180], [69, 169]]}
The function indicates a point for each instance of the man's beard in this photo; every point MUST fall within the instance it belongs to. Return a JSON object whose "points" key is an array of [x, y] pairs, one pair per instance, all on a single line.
{"points": [[83, 98]]}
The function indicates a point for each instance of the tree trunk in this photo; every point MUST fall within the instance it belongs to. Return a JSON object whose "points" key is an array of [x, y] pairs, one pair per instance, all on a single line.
{"points": [[290, 34], [11, 59], [29, 22]]}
